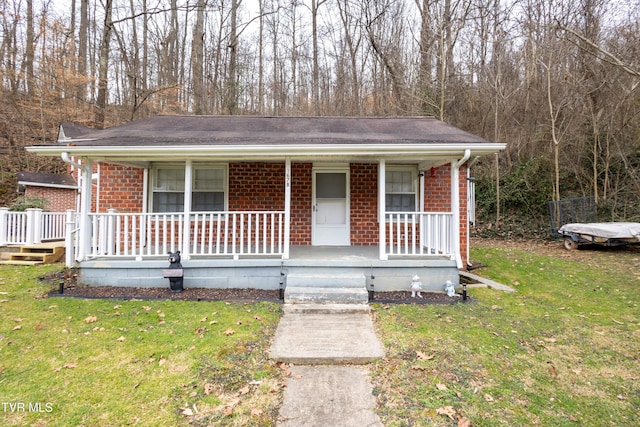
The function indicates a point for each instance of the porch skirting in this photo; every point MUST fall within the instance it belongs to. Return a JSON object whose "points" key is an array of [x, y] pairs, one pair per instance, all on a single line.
{"points": [[271, 273]]}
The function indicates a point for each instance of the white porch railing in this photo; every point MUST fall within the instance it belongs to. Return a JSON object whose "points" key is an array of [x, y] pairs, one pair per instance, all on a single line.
{"points": [[420, 234], [210, 233], [31, 226]]}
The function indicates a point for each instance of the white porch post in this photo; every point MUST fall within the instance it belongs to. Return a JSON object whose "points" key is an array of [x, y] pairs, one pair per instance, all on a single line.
{"points": [[455, 204], [70, 249], [34, 226], [382, 222], [287, 207], [4, 212], [84, 238], [188, 188]]}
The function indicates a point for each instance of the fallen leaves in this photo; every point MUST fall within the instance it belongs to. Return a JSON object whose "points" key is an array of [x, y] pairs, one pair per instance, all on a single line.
{"points": [[90, 319], [208, 389], [454, 415], [423, 356]]}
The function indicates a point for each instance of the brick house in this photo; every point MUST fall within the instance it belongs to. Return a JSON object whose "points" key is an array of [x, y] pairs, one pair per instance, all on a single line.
{"points": [[248, 200], [59, 190]]}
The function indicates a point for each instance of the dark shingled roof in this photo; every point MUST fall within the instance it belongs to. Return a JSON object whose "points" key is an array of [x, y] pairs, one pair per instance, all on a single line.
{"points": [[46, 179], [251, 130]]}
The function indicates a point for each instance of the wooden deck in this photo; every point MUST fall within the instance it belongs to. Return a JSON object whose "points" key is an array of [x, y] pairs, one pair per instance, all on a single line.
{"points": [[39, 253]]}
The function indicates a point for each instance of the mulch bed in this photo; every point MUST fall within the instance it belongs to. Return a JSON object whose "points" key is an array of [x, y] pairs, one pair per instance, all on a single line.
{"points": [[72, 289]]}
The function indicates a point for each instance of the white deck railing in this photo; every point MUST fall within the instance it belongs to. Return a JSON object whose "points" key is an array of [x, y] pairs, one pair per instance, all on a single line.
{"points": [[31, 226], [209, 234], [420, 234], [235, 234]]}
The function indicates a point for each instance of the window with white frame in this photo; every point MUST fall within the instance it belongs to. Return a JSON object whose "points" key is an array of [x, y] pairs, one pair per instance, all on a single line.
{"points": [[400, 185], [208, 188]]}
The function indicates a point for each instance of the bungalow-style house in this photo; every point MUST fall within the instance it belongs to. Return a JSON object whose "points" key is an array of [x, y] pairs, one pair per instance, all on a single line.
{"points": [[268, 202]]}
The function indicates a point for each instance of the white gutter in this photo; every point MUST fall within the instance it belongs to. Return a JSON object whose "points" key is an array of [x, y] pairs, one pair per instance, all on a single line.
{"points": [[269, 151], [41, 184], [455, 203]]}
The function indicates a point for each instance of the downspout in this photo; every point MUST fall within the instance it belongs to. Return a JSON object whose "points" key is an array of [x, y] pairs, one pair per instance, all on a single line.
{"points": [[67, 159], [469, 166], [287, 207], [455, 204]]}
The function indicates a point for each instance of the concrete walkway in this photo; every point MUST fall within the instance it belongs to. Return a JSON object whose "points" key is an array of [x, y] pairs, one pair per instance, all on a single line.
{"points": [[323, 342], [484, 282]]}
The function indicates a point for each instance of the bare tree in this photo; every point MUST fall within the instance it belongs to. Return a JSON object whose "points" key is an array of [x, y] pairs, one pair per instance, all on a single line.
{"points": [[197, 59], [103, 69]]}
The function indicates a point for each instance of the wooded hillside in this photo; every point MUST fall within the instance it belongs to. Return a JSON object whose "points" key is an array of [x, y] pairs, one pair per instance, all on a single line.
{"points": [[558, 80]]}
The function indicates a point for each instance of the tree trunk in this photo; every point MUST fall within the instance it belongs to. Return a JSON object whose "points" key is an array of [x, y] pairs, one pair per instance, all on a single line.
{"points": [[231, 101], [29, 49], [103, 68]]}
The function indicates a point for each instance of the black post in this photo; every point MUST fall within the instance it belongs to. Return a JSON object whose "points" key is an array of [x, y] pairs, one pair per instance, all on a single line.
{"points": [[464, 292], [371, 288], [282, 286]]}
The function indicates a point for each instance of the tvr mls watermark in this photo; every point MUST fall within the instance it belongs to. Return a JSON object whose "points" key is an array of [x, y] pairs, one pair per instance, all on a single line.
{"points": [[42, 407]]}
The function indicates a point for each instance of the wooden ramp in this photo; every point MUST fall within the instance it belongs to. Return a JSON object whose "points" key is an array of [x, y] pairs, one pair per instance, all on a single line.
{"points": [[40, 253]]}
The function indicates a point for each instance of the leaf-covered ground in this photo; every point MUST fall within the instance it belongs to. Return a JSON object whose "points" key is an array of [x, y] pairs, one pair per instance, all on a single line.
{"points": [[564, 350], [67, 361]]}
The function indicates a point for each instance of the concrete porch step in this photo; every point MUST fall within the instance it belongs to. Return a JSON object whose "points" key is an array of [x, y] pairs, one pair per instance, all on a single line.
{"points": [[316, 295], [325, 288], [326, 308], [313, 279]]}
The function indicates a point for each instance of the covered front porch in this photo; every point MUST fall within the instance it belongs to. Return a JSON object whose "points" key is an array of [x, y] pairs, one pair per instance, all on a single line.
{"points": [[346, 204]]}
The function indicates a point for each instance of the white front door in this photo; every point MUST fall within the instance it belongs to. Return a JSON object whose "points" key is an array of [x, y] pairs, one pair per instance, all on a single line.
{"points": [[331, 207]]}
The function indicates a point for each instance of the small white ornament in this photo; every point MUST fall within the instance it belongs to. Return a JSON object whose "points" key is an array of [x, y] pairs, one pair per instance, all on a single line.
{"points": [[450, 289], [416, 287]]}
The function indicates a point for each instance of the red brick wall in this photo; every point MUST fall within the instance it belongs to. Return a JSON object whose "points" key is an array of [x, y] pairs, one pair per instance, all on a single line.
{"points": [[60, 199], [301, 198], [364, 204], [256, 186], [437, 189], [120, 188]]}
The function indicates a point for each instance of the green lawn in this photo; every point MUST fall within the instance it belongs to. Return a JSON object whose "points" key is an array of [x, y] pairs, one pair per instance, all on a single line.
{"points": [[66, 361], [564, 350]]}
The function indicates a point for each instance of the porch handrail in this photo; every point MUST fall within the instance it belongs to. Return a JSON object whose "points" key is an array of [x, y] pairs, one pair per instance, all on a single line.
{"points": [[223, 233], [420, 234], [53, 226], [30, 226]]}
